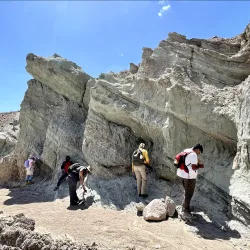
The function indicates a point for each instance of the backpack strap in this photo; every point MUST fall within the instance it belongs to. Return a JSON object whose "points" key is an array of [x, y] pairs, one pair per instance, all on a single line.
{"points": [[186, 166]]}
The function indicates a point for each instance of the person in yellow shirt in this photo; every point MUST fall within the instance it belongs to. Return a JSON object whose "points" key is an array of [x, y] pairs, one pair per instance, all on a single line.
{"points": [[139, 161]]}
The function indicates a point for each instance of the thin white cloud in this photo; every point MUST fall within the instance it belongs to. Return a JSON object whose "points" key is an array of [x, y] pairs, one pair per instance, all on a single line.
{"points": [[121, 54], [161, 2], [163, 9]]}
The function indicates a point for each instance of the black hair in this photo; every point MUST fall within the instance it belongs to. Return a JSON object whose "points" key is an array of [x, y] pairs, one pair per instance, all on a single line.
{"points": [[198, 146], [68, 157]]}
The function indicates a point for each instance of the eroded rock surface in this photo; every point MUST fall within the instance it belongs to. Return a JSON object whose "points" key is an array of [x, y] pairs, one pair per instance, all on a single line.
{"points": [[9, 129], [185, 91], [170, 205], [17, 233], [156, 210]]}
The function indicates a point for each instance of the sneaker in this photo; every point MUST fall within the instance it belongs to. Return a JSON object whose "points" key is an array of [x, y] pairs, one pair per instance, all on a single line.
{"points": [[56, 188]]}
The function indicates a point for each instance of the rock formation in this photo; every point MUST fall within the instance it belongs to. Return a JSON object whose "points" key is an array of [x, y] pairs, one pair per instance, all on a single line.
{"points": [[155, 211], [185, 91], [17, 232], [9, 128]]}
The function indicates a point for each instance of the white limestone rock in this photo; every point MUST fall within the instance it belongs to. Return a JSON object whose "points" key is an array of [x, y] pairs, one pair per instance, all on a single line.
{"points": [[155, 211]]}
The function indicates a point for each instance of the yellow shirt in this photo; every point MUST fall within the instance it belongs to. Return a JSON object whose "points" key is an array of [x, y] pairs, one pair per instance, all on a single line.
{"points": [[145, 156]]}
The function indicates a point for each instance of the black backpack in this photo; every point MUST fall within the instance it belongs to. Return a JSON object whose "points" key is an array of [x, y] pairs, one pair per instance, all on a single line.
{"points": [[137, 157], [74, 168]]}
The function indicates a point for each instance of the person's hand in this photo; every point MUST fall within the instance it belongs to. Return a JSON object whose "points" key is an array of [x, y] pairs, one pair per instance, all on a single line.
{"points": [[201, 165], [199, 161]]}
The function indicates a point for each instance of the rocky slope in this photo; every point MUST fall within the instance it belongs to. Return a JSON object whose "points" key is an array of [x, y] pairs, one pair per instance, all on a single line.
{"points": [[183, 92]]}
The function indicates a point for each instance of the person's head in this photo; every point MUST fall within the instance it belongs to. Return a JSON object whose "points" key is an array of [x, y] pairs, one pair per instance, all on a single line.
{"points": [[142, 145], [86, 170], [89, 169], [32, 156], [68, 158], [198, 149]]}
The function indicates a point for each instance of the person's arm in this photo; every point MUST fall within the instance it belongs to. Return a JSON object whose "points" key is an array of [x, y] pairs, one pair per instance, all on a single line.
{"points": [[81, 176], [62, 167], [196, 162], [200, 164], [31, 163], [145, 155]]}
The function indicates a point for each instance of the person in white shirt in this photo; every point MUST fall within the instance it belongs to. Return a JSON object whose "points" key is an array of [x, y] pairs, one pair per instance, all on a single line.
{"points": [[30, 169], [188, 174]]}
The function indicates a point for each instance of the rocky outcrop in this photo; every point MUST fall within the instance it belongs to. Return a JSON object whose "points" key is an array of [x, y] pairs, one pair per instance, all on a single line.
{"points": [[185, 91], [17, 233], [133, 68], [61, 75], [9, 129]]}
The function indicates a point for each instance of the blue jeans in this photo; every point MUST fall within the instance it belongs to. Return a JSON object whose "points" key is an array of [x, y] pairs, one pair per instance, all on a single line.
{"points": [[29, 177]]}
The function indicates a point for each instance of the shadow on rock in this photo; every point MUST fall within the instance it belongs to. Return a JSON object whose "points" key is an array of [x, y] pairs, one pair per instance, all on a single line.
{"points": [[211, 230]]}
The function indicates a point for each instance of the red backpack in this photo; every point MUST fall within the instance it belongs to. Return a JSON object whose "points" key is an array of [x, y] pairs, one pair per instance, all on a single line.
{"points": [[179, 161], [66, 166]]}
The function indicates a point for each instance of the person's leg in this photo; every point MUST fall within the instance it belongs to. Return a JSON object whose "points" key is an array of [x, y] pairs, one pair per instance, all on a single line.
{"points": [[27, 179], [138, 179], [142, 170], [61, 179], [72, 190], [189, 187]]}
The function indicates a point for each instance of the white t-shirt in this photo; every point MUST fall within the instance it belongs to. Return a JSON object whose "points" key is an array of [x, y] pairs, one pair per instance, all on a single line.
{"points": [[191, 158]]}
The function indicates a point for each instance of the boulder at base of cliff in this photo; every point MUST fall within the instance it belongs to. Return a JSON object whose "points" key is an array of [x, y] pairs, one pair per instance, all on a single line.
{"points": [[155, 211], [170, 205]]}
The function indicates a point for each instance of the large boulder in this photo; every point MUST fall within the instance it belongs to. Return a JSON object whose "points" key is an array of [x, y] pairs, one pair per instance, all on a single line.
{"points": [[155, 211]]}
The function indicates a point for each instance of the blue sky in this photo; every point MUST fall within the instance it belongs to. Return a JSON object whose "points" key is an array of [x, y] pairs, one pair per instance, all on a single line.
{"points": [[101, 36]]}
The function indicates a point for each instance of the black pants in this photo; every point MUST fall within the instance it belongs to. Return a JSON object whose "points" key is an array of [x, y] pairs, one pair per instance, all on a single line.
{"points": [[62, 178], [72, 181], [189, 186]]}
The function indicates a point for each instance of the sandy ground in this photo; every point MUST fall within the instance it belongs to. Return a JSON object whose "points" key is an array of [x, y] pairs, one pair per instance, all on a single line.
{"points": [[113, 229]]}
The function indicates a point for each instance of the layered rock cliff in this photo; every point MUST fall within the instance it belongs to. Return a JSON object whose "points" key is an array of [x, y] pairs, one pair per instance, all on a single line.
{"points": [[9, 129], [183, 92]]}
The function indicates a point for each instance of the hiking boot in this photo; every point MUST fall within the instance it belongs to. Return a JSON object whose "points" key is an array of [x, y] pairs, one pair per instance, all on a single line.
{"points": [[144, 195], [186, 216], [56, 188], [73, 204]]}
